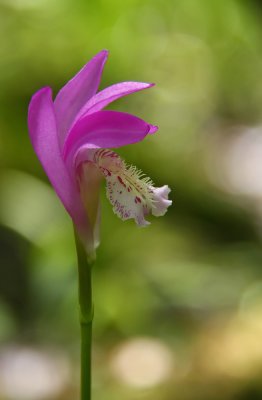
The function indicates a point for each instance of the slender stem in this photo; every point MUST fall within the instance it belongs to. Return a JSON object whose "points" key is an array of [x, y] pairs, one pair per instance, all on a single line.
{"points": [[86, 344], [86, 316]]}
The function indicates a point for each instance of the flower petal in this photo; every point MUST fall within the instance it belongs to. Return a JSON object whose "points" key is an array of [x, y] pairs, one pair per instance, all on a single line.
{"points": [[161, 202], [72, 97], [43, 135], [153, 129], [126, 204], [130, 192], [105, 129], [110, 94]]}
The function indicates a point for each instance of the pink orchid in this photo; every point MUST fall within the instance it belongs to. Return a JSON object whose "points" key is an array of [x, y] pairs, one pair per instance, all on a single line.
{"points": [[71, 137]]}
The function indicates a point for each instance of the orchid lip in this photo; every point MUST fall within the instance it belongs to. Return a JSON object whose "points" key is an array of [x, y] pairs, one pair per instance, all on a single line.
{"points": [[131, 193]]}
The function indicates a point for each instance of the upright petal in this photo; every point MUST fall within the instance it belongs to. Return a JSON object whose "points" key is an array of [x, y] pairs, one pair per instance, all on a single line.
{"points": [[110, 94], [105, 129], [43, 135], [72, 97]]}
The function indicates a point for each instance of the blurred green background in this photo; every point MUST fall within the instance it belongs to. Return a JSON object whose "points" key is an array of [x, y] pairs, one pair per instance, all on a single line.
{"points": [[178, 305]]}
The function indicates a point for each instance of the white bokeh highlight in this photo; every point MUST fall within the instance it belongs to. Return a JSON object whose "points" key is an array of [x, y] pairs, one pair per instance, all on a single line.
{"points": [[142, 362], [31, 374]]}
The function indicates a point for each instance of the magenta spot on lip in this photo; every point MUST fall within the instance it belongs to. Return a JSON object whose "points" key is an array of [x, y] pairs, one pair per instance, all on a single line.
{"points": [[121, 181]]}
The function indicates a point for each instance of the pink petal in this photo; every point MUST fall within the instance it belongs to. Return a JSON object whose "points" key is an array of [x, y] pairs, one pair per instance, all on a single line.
{"points": [[153, 129], [72, 97], [105, 129], [43, 135], [110, 94]]}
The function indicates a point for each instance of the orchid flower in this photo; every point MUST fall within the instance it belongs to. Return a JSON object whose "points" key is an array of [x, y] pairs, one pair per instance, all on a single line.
{"points": [[73, 137]]}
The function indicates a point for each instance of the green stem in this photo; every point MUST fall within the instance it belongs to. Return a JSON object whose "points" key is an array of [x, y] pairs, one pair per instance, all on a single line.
{"points": [[86, 316]]}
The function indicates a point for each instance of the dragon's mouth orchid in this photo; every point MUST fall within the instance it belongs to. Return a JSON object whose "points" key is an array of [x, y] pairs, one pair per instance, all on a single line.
{"points": [[73, 137]]}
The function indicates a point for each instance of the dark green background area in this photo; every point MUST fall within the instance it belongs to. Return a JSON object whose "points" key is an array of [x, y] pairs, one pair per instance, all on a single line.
{"points": [[191, 282]]}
